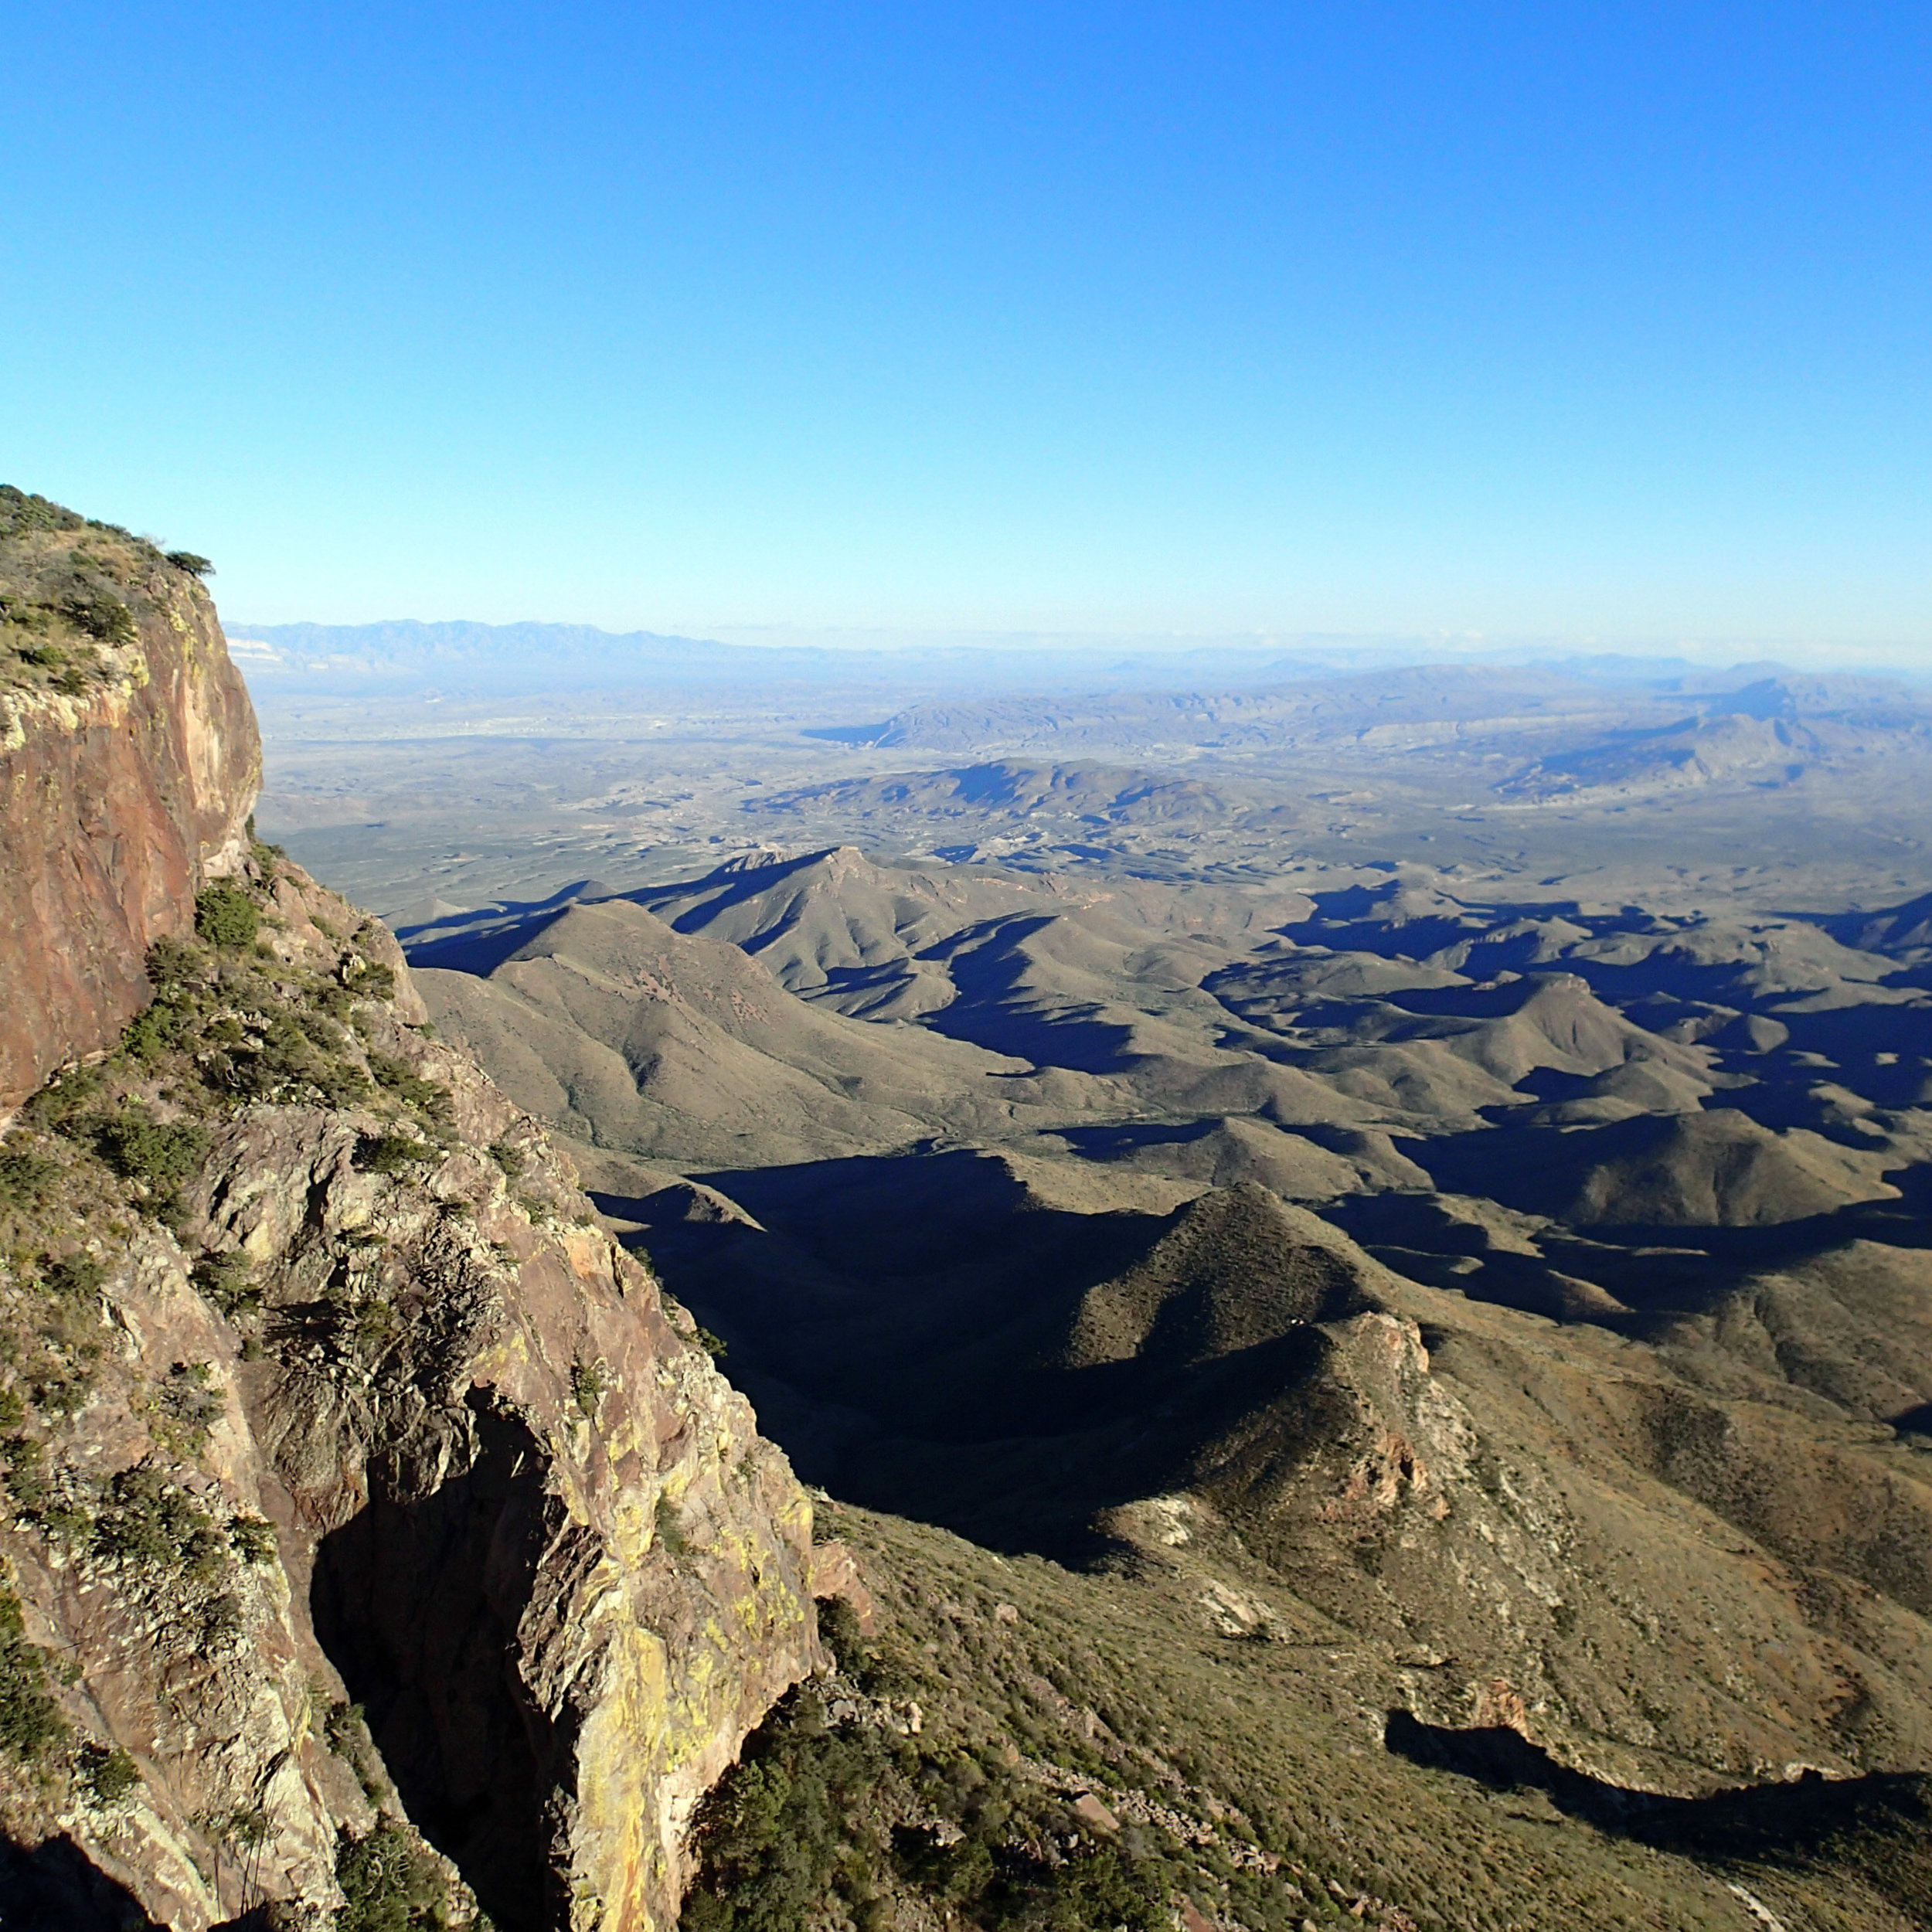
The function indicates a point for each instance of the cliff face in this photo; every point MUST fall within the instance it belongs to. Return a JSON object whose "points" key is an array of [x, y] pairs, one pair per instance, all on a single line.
{"points": [[129, 760], [373, 1531]]}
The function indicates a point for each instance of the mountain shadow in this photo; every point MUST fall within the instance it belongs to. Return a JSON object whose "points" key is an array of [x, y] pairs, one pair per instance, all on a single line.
{"points": [[925, 1336], [54, 1886], [1880, 1826]]}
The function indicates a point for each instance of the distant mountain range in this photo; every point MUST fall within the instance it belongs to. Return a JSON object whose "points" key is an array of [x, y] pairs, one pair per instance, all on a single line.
{"points": [[462, 658]]}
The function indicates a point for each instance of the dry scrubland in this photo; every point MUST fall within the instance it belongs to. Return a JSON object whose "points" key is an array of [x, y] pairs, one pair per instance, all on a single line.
{"points": [[1349, 1263], [1516, 1303]]}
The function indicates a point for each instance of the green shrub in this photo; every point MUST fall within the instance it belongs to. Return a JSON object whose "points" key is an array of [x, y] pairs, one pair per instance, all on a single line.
{"points": [[108, 1775], [388, 1153], [30, 1726], [101, 614], [225, 917], [161, 1155], [508, 1159], [254, 1540], [227, 1282], [150, 1522], [389, 1883], [27, 1177], [195, 567], [713, 1346], [26, 1471], [588, 1382]]}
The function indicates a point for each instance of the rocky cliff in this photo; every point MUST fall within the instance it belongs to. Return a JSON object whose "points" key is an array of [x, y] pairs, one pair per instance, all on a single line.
{"points": [[129, 761], [377, 1539]]}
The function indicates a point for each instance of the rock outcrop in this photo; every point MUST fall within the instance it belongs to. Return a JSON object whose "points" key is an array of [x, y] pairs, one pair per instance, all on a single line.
{"points": [[372, 1530], [129, 763]]}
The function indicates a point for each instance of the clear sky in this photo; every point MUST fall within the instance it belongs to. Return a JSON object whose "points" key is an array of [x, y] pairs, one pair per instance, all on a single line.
{"points": [[1606, 321]]}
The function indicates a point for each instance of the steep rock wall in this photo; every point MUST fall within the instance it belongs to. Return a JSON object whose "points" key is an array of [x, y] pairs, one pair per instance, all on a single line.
{"points": [[129, 762], [519, 1522]]}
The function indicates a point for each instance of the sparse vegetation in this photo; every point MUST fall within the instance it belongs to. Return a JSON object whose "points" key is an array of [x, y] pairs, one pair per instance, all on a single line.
{"points": [[669, 1530], [588, 1382], [346, 1728], [254, 1540], [32, 1729], [186, 1408], [229, 1284], [397, 1076]]}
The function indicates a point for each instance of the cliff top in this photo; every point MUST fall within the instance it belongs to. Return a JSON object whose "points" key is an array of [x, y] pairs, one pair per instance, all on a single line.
{"points": [[72, 592]]}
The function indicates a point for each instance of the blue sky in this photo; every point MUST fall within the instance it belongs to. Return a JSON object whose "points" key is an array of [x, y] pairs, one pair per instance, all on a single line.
{"points": [[1589, 320]]}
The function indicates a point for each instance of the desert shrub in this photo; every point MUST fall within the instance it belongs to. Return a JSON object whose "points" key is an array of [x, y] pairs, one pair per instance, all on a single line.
{"points": [[26, 1471], [389, 1883], [321, 1031], [187, 1403], [225, 917], [388, 1153], [30, 1726], [64, 1098], [76, 1277], [588, 1382], [670, 1535], [100, 613], [107, 1774], [28, 1176], [346, 1728], [508, 1159], [221, 1619], [173, 964], [839, 1625], [228, 1283], [195, 567], [402, 1079], [713, 1346], [150, 1522], [252, 1539], [161, 1155], [337, 1002]]}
